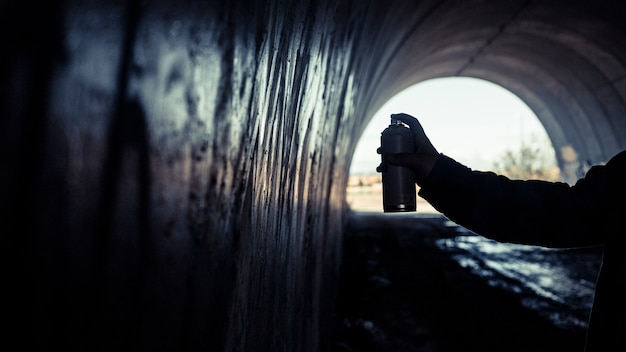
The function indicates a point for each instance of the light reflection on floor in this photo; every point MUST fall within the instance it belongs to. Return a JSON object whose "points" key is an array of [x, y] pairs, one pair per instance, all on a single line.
{"points": [[559, 284]]}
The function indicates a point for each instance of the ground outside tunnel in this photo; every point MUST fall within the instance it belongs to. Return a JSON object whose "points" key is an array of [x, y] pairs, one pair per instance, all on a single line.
{"points": [[401, 290]]}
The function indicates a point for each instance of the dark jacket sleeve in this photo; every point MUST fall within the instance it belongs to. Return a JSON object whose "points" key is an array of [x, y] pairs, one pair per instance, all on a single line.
{"points": [[550, 214]]}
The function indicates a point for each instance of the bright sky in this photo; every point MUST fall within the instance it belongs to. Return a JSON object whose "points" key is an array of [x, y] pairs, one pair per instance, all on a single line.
{"points": [[471, 120]]}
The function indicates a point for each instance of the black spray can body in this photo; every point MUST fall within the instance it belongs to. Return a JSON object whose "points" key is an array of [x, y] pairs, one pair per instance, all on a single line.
{"points": [[398, 181]]}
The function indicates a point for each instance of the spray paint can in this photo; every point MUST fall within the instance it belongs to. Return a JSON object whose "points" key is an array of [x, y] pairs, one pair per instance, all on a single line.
{"points": [[398, 181]]}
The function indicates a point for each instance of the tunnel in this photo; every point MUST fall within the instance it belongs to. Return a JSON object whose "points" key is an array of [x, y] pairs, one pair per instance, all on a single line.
{"points": [[173, 172]]}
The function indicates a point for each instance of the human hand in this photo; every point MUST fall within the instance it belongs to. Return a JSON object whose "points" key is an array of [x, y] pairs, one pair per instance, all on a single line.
{"points": [[423, 159]]}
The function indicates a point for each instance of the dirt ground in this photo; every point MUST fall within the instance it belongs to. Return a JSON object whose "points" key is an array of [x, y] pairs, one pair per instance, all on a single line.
{"points": [[400, 292]]}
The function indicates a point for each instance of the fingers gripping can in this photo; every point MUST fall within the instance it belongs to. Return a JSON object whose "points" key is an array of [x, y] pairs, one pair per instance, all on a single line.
{"points": [[398, 181]]}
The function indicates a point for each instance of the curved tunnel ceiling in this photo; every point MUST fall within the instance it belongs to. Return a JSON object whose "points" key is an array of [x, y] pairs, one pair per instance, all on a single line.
{"points": [[568, 65]]}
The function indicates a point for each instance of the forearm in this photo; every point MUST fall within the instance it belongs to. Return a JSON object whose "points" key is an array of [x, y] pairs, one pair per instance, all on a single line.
{"points": [[528, 212]]}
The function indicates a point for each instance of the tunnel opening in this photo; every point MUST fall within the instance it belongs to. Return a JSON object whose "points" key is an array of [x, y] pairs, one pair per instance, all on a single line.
{"points": [[477, 122]]}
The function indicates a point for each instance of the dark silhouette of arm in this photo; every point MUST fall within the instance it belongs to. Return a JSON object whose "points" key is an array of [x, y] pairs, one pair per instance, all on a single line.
{"points": [[550, 214]]}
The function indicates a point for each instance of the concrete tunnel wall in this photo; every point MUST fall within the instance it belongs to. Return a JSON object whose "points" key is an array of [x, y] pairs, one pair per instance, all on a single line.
{"points": [[174, 172]]}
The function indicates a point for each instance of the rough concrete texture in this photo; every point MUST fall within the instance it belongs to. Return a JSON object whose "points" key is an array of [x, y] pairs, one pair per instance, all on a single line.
{"points": [[173, 173]]}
